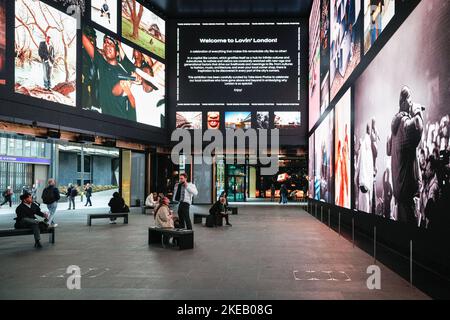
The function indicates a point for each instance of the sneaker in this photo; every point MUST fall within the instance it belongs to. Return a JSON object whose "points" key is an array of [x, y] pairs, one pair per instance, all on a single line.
{"points": [[38, 245], [229, 224]]}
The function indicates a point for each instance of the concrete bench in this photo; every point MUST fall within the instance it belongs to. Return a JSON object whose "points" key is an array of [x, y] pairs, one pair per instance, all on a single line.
{"points": [[234, 210], [24, 232], [107, 216], [198, 217], [185, 238]]}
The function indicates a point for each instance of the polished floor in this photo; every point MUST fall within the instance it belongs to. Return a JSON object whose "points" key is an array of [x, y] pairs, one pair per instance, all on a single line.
{"points": [[270, 252]]}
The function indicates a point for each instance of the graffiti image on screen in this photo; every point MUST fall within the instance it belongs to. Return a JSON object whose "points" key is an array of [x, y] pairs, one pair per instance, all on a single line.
{"points": [[2, 40], [238, 120], [104, 12], [402, 136], [121, 81], [342, 149], [314, 64], [45, 52], [377, 14], [323, 161], [143, 27], [189, 120], [213, 119], [262, 120], [345, 41], [311, 167], [324, 55], [283, 120]]}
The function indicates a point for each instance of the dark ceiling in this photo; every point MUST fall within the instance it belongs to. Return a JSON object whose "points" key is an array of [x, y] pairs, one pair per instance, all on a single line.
{"points": [[232, 8]]}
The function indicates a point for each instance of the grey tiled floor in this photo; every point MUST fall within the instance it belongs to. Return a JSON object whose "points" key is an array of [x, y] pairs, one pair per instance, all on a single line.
{"points": [[254, 259]]}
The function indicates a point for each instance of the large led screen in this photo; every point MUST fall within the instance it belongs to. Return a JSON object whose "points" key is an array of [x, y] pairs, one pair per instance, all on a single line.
{"points": [[2, 40], [324, 55], [121, 81], [345, 41], [377, 14], [238, 64], [323, 161], [143, 27], [45, 52], [402, 123], [314, 64], [311, 167], [104, 12], [342, 151]]}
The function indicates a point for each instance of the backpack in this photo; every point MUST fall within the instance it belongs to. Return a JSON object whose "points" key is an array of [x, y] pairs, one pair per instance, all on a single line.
{"points": [[48, 196]]}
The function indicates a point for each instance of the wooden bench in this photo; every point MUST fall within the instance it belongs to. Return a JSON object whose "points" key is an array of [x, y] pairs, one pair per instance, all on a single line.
{"points": [[234, 210], [107, 216], [185, 238], [24, 232], [198, 217]]}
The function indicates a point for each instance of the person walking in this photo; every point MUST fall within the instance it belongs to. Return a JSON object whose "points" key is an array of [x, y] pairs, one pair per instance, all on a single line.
{"points": [[183, 192], [50, 196], [7, 196], [71, 194], [88, 191], [26, 217]]}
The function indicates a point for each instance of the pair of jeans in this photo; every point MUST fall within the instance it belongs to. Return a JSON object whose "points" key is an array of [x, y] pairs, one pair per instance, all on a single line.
{"points": [[33, 224], [183, 215], [52, 210], [71, 201], [284, 199], [88, 200], [46, 66]]}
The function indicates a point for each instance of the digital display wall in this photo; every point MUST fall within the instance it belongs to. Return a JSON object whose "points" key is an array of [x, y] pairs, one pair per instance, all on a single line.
{"points": [[377, 14], [238, 64], [189, 120], [345, 41], [45, 52], [314, 64], [2, 40], [121, 81], [323, 161], [342, 151], [402, 123], [324, 55], [104, 13], [311, 174], [143, 27]]}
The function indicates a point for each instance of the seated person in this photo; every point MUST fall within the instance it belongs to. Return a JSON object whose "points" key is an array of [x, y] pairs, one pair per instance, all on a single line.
{"points": [[117, 205], [163, 216], [26, 217], [152, 200], [219, 210]]}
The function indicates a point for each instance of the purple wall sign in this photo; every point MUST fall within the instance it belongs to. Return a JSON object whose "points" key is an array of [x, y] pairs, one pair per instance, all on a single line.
{"points": [[25, 160]]}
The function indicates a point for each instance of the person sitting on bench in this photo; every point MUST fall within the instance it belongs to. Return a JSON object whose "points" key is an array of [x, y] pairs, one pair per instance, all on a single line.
{"points": [[163, 216], [26, 217], [117, 205], [219, 210], [152, 200]]}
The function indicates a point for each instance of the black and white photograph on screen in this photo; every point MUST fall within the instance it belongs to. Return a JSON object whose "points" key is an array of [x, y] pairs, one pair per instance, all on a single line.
{"points": [[45, 52], [345, 41], [262, 120], [323, 160], [188, 120], [121, 81], [402, 136], [377, 14], [143, 27], [287, 119], [314, 64], [2, 40], [104, 13]]}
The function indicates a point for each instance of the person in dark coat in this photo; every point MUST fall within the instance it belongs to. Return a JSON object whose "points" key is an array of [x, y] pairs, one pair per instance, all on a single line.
{"points": [[26, 217], [47, 54], [219, 211], [117, 205], [88, 190]]}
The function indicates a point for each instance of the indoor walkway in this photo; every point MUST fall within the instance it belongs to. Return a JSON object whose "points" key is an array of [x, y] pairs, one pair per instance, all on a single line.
{"points": [[269, 253]]}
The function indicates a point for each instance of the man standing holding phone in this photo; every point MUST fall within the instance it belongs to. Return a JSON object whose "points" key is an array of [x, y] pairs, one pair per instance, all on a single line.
{"points": [[183, 192]]}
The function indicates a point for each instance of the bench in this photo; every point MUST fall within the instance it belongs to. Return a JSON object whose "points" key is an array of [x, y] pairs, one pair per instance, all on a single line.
{"points": [[234, 210], [185, 238], [24, 232], [198, 217], [107, 216], [145, 208]]}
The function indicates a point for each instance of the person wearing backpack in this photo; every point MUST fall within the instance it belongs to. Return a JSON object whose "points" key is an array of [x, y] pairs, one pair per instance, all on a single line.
{"points": [[50, 197], [72, 192]]}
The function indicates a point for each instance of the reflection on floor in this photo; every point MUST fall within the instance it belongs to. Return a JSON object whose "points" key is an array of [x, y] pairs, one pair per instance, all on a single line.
{"points": [[269, 253]]}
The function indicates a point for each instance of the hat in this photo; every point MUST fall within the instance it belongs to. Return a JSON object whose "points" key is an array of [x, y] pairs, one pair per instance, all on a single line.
{"points": [[25, 195]]}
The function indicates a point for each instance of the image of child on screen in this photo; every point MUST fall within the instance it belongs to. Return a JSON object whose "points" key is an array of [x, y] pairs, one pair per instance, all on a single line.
{"points": [[112, 66]]}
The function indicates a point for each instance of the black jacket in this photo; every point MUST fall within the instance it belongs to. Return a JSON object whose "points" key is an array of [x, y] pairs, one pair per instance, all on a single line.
{"points": [[89, 191], [217, 208], [46, 54], [55, 191], [117, 205], [23, 211]]}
